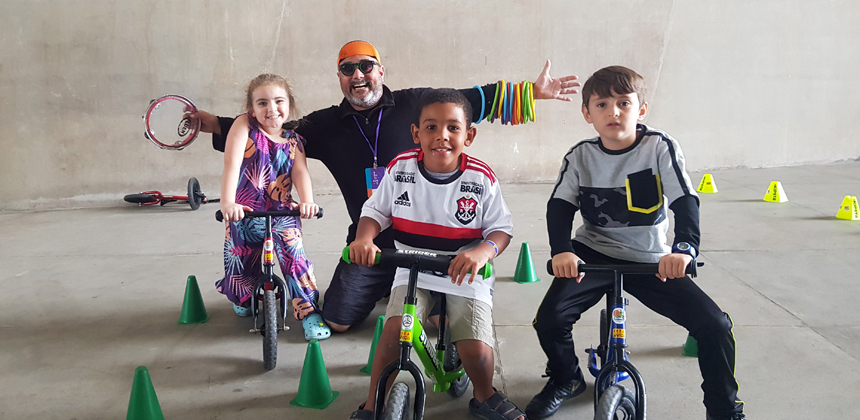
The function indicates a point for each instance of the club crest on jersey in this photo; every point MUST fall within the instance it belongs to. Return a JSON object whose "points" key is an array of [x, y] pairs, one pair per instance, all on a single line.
{"points": [[466, 209]]}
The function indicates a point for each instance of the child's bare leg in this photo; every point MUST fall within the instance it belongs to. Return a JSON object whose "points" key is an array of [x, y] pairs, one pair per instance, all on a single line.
{"points": [[478, 360], [387, 350]]}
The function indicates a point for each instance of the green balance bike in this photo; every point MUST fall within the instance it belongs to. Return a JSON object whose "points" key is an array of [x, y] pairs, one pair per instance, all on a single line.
{"points": [[448, 375]]}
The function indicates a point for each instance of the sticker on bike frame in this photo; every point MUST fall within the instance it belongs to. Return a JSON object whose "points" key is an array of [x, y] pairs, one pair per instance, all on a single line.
{"points": [[406, 323], [619, 315], [618, 333], [268, 248], [406, 336]]}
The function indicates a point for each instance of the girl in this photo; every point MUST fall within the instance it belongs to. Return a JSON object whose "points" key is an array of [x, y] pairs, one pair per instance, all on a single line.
{"points": [[262, 161]]}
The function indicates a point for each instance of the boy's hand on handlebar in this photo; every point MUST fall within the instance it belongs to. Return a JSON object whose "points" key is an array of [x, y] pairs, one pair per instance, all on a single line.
{"points": [[233, 212], [473, 260], [673, 266], [363, 252], [308, 210], [566, 265]]}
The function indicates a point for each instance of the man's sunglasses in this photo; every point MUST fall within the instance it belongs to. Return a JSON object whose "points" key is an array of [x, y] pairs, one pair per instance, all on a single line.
{"points": [[348, 69]]}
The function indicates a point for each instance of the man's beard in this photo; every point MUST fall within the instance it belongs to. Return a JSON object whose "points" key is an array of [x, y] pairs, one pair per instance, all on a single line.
{"points": [[368, 101]]}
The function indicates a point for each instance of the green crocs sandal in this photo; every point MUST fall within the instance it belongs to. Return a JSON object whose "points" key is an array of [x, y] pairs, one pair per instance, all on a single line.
{"points": [[315, 328]]}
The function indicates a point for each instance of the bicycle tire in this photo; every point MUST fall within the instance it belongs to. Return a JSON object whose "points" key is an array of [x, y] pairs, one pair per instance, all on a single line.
{"points": [[614, 401], [270, 330], [397, 403], [139, 198], [451, 363], [194, 194]]}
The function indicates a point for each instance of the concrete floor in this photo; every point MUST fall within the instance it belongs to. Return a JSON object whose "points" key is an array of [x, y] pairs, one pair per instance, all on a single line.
{"points": [[93, 293]]}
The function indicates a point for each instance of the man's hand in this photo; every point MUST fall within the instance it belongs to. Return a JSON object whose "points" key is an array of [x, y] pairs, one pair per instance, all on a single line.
{"points": [[208, 122], [673, 266], [545, 87], [566, 265], [363, 252]]}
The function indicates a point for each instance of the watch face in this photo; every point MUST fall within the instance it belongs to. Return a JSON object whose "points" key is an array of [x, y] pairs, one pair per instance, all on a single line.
{"points": [[683, 246]]}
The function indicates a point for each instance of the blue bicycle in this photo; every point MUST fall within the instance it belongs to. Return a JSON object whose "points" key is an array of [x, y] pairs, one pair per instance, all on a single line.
{"points": [[612, 400]]}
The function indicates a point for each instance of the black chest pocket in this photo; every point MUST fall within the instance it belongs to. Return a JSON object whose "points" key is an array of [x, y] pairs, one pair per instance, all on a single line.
{"points": [[644, 191]]}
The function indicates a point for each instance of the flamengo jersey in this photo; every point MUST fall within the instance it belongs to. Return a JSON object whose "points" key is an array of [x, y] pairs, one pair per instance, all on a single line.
{"points": [[446, 216]]}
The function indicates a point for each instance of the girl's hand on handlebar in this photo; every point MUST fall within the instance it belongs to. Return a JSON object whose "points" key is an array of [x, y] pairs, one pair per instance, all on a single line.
{"points": [[473, 260], [673, 266], [233, 212], [363, 252], [308, 210], [566, 265]]}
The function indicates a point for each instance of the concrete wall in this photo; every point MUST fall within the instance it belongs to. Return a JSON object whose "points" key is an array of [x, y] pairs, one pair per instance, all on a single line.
{"points": [[740, 83]]}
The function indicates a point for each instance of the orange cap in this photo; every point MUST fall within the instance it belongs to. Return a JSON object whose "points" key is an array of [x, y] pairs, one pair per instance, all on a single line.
{"points": [[355, 48]]}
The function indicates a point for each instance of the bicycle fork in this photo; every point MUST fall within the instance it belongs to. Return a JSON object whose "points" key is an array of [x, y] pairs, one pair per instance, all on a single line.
{"points": [[270, 280], [617, 314]]}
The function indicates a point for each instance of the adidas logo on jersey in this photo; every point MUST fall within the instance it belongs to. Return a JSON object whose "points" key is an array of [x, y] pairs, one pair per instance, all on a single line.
{"points": [[403, 200]]}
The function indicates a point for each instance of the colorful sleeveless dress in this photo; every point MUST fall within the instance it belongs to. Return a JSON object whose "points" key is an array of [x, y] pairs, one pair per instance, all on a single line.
{"points": [[265, 185]]}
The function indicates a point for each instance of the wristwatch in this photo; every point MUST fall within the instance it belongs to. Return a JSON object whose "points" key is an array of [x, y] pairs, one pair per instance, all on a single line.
{"points": [[685, 248]]}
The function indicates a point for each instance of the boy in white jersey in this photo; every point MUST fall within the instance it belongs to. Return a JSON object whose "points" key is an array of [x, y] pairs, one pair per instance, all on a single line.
{"points": [[622, 182], [439, 199]]}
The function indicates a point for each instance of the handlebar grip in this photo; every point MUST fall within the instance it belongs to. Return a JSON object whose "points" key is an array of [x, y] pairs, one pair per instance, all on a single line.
{"points": [[278, 213], [628, 268], [429, 260]]}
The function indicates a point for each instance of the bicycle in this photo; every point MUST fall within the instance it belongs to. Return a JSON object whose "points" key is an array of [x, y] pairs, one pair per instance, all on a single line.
{"points": [[449, 376], [194, 198], [611, 398], [273, 288]]}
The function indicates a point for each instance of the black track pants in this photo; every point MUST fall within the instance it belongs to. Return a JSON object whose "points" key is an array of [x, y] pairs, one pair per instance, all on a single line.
{"points": [[680, 300]]}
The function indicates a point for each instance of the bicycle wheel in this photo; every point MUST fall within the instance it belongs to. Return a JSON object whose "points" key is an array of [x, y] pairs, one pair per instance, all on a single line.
{"points": [[397, 403], [195, 197], [270, 330], [139, 198], [451, 363], [616, 403]]}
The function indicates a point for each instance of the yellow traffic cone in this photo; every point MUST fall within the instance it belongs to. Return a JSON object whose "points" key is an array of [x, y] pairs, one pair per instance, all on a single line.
{"points": [[707, 185], [775, 193], [849, 209]]}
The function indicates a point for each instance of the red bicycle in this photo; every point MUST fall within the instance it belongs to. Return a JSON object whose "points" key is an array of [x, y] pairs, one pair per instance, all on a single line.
{"points": [[194, 198]]}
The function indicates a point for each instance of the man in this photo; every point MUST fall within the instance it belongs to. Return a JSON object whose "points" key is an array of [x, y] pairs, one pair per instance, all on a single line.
{"points": [[355, 141]]}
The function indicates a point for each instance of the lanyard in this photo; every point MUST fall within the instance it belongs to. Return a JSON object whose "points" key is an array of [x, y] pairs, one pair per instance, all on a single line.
{"points": [[375, 147]]}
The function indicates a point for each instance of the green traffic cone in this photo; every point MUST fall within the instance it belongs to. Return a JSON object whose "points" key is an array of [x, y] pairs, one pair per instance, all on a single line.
{"points": [[380, 323], [193, 310], [143, 403], [525, 272], [690, 348], [314, 387]]}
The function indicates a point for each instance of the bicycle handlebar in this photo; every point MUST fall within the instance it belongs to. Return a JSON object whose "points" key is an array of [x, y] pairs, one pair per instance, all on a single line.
{"points": [[427, 261], [278, 213], [626, 268]]}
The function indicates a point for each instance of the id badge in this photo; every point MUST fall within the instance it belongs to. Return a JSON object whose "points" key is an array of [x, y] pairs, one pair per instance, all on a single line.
{"points": [[373, 176]]}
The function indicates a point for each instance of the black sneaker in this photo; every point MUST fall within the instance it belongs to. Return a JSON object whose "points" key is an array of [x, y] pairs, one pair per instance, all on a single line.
{"points": [[549, 399]]}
